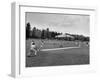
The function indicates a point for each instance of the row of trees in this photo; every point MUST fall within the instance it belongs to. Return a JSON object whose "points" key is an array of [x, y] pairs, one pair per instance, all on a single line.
{"points": [[80, 37], [36, 33], [46, 34]]}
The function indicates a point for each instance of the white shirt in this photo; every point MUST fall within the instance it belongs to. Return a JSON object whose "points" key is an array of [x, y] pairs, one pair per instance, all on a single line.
{"points": [[33, 45]]}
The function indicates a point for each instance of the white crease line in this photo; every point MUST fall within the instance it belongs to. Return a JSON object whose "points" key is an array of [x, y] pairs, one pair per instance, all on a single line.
{"points": [[58, 48]]}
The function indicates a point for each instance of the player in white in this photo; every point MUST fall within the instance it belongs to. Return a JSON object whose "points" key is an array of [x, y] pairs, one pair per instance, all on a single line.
{"points": [[33, 49], [87, 43]]}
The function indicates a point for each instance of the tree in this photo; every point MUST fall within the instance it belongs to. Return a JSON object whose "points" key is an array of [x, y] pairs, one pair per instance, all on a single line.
{"points": [[34, 32], [43, 34], [28, 28], [47, 35]]}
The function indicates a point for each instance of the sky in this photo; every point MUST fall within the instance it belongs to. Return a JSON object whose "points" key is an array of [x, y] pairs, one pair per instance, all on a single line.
{"points": [[64, 23]]}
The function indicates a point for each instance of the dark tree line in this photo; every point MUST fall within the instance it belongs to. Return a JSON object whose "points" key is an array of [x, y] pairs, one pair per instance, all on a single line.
{"points": [[41, 34], [28, 28], [47, 34], [80, 37]]}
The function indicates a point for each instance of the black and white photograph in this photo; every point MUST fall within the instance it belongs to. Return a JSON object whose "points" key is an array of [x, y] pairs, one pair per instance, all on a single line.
{"points": [[57, 39]]}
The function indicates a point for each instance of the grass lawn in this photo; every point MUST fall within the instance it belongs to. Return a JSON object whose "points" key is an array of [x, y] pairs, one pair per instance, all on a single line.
{"points": [[75, 56]]}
